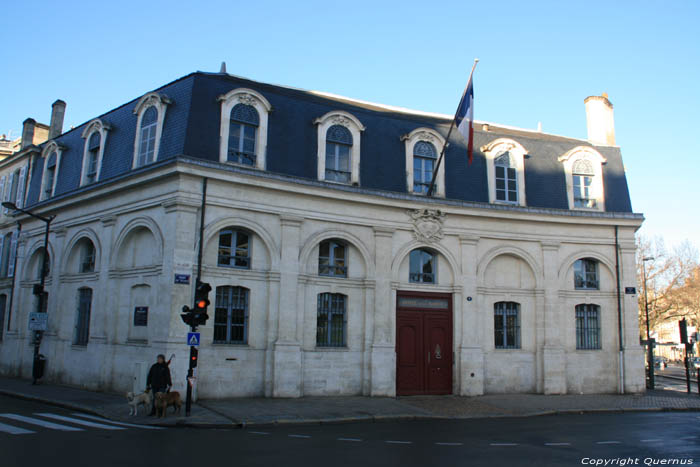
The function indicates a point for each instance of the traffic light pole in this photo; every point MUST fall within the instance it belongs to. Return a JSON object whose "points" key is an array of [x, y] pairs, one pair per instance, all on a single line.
{"points": [[190, 374]]}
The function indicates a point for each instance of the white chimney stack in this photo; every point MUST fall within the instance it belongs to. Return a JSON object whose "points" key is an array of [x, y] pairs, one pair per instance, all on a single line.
{"points": [[600, 120]]}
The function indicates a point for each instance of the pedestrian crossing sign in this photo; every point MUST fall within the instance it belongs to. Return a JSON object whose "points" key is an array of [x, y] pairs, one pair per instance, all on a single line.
{"points": [[193, 338]]}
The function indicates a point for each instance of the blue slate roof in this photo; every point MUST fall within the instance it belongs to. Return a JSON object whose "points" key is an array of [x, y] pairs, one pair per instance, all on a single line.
{"points": [[192, 122]]}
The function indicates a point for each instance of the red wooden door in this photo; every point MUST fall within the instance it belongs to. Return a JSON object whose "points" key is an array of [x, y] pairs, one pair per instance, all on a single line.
{"points": [[423, 343]]}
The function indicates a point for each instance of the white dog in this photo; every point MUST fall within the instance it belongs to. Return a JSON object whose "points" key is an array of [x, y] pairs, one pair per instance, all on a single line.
{"points": [[134, 400]]}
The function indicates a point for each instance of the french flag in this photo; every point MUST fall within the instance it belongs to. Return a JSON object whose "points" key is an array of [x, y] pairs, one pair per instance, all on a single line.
{"points": [[464, 118]]}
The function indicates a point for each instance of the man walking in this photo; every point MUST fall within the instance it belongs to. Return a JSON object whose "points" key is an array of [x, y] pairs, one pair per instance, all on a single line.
{"points": [[158, 380]]}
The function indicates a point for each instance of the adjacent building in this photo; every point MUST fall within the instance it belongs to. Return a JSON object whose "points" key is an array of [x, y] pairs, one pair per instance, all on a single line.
{"points": [[333, 272]]}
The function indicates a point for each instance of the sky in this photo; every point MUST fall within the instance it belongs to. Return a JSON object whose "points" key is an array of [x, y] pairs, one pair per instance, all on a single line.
{"points": [[538, 61]]}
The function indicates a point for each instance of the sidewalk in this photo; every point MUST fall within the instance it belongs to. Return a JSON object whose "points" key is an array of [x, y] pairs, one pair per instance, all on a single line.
{"points": [[262, 411]]}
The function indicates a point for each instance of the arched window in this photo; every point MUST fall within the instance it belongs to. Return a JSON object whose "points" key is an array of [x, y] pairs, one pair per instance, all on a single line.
{"points": [[87, 256], [6, 249], [582, 174], [50, 176], [81, 334], [331, 320], [234, 248], [424, 159], [586, 274], [231, 315], [147, 147], [40, 259], [93, 155], [587, 327], [423, 266], [506, 325], [506, 178], [338, 147], [243, 134], [332, 259]]}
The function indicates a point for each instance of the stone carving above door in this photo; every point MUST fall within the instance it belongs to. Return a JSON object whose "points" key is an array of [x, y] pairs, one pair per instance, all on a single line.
{"points": [[427, 224]]}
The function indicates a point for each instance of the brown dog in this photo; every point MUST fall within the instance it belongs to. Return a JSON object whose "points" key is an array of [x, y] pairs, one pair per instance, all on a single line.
{"points": [[165, 400]]}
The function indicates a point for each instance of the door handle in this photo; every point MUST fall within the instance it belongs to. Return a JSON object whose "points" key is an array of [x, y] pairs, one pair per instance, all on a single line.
{"points": [[428, 356]]}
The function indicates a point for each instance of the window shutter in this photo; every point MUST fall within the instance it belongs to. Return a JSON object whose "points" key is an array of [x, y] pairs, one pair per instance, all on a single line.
{"points": [[2, 245], [8, 191], [19, 201], [2, 191], [13, 255]]}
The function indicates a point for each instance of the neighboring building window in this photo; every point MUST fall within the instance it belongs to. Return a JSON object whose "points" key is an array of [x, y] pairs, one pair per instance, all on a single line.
{"points": [[231, 315], [587, 327], [331, 320], [586, 274], [423, 266], [50, 176], [82, 322], [506, 325], [506, 178], [424, 159], [243, 134], [3, 305], [234, 249], [582, 174], [147, 146], [332, 259], [87, 256], [93, 154], [6, 248], [338, 147]]}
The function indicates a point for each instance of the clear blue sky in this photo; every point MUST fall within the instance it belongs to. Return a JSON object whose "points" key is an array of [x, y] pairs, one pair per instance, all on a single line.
{"points": [[539, 60]]}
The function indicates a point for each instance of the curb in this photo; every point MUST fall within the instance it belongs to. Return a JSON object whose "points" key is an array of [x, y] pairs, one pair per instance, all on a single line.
{"points": [[241, 424]]}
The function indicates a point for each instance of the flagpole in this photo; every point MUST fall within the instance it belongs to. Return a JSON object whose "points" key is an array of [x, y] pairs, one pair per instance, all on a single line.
{"points": [[449, 132]]}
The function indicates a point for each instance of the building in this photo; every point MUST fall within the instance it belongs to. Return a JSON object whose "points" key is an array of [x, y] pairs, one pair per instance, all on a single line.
{"points": [[668, 340], [333, 272]]}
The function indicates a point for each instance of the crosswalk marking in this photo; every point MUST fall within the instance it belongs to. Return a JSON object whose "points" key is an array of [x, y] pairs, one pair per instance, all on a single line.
{"points": [[132, 425], [13, 430], [77, 421], [37, 421]]}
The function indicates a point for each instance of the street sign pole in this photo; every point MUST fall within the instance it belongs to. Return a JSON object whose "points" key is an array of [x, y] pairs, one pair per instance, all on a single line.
{"points": [[188, 399]]}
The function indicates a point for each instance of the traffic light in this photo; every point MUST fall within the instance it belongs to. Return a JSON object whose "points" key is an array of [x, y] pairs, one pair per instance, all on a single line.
{"points": [[187, 315], [201, 303], [193, 357], [683, 327]]}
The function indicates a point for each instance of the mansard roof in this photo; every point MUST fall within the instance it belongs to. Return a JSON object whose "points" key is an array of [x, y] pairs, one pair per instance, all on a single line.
{"points": [[192, 124]]}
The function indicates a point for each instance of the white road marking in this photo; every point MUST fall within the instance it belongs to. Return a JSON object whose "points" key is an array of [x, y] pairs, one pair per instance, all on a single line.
{"points": [[37, 421], [77, 421], [356, 440], [503, 444], [299, 436], [258, 432], [450, 444], [557, 444], [650, 440], [398, 442], [134, 425], [13, 430], [608, 442]]}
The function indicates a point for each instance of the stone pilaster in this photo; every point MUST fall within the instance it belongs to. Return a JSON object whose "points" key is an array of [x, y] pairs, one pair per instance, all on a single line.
{"points": [[287, 353], [471, 355], [633, 354], [383, 359], [553, 355]]}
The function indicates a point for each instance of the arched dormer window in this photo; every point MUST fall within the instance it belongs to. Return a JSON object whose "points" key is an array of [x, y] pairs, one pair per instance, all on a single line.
{"points": [[506, 171], [243, 130], [242, 135], [583, 167], [338, 157], [422, 150], [95, 135], [51, 160], [150, 111]]}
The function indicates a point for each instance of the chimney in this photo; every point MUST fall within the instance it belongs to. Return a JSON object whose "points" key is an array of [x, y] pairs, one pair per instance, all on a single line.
{"points": [[600, 120], [58, 111], [28, 132]]}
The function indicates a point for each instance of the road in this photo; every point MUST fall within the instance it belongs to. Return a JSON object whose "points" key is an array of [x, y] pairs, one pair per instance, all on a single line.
{"points": [[673, 378], [548, 440]]}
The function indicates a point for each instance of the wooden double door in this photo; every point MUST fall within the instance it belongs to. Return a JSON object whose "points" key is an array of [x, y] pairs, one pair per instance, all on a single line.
{"points": [[423, 343]]}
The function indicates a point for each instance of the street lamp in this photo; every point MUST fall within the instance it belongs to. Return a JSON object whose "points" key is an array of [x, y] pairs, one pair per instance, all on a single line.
{"points": [[650, 348], [40, 290]]}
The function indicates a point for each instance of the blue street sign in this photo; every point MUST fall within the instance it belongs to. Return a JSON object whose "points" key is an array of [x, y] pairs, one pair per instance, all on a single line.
{"points": [[182, 278], [193, 338]]}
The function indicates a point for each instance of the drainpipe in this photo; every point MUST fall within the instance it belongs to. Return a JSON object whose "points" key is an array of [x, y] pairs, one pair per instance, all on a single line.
{"points": [[621, 371]]}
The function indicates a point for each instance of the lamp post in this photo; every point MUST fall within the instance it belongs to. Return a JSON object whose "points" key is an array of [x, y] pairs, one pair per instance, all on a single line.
{"points": [[650, 348], [40, 290]]}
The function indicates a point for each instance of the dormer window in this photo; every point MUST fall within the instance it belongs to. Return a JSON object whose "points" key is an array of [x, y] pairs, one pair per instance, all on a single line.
{"points": [[150, 110], [95, 135], [505, 167], [93, 151], [338, 146], [147, 149], [424, 159], [506, 178], [582, 174], [242, 134], [422, 147], [583, 167], [339, 141], [50, 176]]}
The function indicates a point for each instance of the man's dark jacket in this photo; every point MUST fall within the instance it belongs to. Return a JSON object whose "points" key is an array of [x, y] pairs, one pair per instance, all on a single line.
{"points": [[159, 376]]}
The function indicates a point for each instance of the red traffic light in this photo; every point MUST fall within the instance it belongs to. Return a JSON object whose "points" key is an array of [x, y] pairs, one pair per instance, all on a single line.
{"points": [[202, 304]]}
